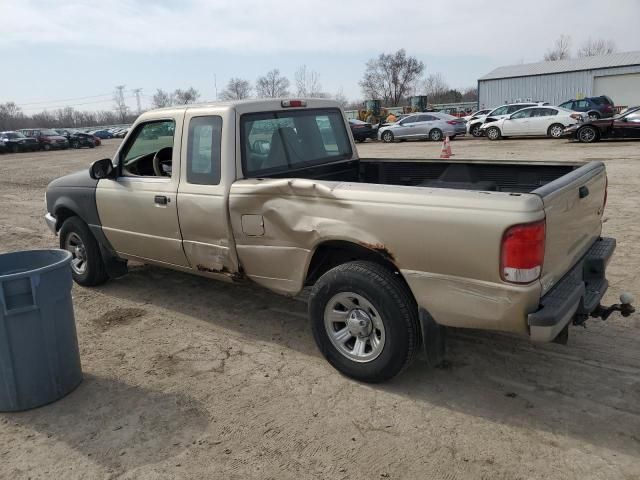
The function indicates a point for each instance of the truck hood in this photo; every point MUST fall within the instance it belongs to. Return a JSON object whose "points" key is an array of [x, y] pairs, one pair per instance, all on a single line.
{"points": [[79, 179]]}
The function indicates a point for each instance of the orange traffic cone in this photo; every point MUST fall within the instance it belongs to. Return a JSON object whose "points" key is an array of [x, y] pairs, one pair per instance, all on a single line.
{"points": [[446, 149]]}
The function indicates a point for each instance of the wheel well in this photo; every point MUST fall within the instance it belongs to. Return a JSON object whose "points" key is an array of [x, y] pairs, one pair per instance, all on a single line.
{"points": [[333, 253], [62, 213]]}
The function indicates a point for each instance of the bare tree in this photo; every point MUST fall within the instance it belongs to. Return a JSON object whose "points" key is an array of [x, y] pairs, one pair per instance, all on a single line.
{"points": [[341, 98], [11, 116], [391, 77], [184, 97], [435, 87], [162, 99], [308, 83], [600, 46], [272, 85], [120, 105], [237, 89], [470, 94], [561, 49]]}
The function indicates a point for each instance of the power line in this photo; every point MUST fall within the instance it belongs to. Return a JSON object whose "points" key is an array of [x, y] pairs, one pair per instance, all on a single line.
{"points": [[106, 100], [48, 102]]}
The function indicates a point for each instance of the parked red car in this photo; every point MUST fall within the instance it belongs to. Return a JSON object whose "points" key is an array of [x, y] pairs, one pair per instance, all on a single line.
{"points": [[625, 125], [96, 141], [47, 139]]}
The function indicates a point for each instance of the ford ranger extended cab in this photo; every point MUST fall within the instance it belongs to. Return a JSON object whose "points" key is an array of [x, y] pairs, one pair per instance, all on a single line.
{"points": [[394, 251]]}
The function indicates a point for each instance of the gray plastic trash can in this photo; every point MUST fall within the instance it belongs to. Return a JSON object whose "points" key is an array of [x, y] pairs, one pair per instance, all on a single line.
{"points": [[39, 357]]}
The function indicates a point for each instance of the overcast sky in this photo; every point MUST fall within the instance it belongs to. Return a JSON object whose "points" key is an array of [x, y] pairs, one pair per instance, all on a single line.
{"points": [[51, 51]]}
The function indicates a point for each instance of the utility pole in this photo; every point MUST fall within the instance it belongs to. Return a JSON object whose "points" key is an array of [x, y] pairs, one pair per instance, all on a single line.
{"points": [[136, 92], [120, 104], [215, 85]]}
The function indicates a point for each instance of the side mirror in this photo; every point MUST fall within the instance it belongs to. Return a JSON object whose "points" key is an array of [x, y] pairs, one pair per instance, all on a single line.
{"points": [[102, 169]]}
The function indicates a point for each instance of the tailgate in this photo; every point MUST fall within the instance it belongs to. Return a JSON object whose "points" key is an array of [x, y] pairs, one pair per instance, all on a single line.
{"points": [[573, 206]]}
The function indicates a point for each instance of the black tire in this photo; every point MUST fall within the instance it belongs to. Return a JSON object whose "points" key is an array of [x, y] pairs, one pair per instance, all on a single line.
{"points": [[435, 135], [553, 131], [387, 137], [92, 145], [75, 145], [15, 148], [95, 273], [493, 133], [475, 130], [398, 313], [594, 115], [46, 147], [588, 134]]}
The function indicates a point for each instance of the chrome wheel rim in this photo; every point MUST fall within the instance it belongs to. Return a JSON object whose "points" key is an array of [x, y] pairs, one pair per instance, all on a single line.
{"points": [[436, 135], [475, 131], [354, 327], [556, 131], [74, 244], [387, 137], [593, 116], [587, 134], [492, 133]]}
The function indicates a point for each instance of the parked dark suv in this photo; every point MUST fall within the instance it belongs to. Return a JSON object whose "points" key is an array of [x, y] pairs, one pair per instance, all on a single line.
{"points": [[595, 107], [16, 142], [47, 138]]}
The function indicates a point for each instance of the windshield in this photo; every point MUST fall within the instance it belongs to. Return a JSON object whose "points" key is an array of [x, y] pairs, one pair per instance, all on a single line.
{"points": [[286, 140], [15, 135], [48, 131], [631, 110]]}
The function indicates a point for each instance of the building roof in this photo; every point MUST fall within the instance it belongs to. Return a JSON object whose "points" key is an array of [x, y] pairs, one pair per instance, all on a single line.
{"points": [[560, 66]]}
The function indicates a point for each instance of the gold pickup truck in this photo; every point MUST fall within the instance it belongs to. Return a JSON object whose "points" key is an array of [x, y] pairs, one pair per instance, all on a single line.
{"points": [[273, 191]]}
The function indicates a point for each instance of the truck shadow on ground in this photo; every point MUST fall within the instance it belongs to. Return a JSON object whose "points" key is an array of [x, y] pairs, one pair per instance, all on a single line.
{"points": [[117, 425], [588, 390]]}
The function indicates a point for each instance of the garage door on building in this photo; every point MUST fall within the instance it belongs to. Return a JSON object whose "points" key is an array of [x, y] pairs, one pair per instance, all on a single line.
{"points": [[622, 89]]}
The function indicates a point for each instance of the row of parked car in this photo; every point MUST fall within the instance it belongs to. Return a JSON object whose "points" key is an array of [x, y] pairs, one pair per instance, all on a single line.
{"points": [[33, 139], [586, 120]]}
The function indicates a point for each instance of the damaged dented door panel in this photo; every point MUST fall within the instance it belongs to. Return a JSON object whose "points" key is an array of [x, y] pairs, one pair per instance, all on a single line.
{"points": [[204, 186], [138, 209]]}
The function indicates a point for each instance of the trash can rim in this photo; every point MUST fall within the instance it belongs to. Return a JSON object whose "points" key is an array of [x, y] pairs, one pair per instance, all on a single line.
{"points": [[65, 258]]}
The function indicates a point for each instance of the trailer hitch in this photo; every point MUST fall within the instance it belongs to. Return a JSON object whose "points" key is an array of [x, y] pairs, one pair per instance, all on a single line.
{"points": [[602, 312], [624, 307]]}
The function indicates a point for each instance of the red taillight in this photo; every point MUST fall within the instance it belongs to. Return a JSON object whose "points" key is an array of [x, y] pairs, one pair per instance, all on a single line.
{"points": [[293, 103], [452, 122], [608, 108], [523, 252]]}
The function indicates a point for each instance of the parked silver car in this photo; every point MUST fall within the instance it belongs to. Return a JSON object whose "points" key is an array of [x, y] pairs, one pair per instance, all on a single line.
{"points": [[420, 126]]}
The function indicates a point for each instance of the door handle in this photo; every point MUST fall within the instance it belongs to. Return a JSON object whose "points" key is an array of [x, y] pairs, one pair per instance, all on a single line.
{"points": [[161, 199], [583, 191]]}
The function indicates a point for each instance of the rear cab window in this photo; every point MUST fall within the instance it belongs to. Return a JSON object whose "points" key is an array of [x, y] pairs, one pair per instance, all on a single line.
{"points": [[278, 141]]}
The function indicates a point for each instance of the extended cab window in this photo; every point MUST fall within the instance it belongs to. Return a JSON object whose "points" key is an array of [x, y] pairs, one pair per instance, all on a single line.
{"points": [[149, 152], [203, 150], [285, 140], [500, 111]]}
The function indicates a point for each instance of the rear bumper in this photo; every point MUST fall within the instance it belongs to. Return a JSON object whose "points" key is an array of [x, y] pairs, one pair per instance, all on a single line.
{"points": [[579, 292]]}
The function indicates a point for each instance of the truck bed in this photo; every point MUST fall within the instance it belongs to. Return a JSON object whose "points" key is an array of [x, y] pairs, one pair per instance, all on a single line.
{"points": [[459, 174]]}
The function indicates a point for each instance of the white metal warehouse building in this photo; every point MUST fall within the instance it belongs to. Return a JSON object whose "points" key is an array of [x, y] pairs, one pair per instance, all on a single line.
{"points": [[616, 75]]}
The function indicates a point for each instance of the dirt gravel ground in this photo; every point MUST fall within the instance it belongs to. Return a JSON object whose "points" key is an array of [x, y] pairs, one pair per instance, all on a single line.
{"points": [[190, 378]]}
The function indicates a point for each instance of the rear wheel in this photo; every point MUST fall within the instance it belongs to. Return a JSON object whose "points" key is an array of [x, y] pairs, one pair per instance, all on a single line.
{"points": [[587, 134], [594, 115], [556, 130], [46, 147], [435, 135], [387, 137], [493, 133], [15, 148], [87, 267], [364, 321]]}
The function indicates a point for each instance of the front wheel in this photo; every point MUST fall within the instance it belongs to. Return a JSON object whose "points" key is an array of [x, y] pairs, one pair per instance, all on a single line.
{"points": [[46, 147], [364, 321], [475, 130], [556, 130], [594, 115], [387, 137], [435, 135], [493, 133], [587, 134], [87, 267]]}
